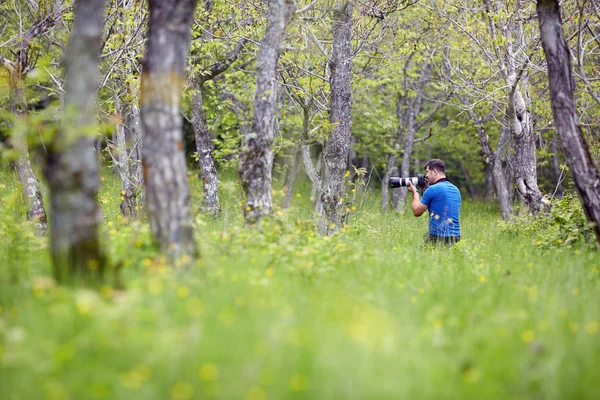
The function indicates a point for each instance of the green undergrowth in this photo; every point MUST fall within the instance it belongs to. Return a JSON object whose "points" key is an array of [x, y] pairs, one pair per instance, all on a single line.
{"points": [[282, 313]]}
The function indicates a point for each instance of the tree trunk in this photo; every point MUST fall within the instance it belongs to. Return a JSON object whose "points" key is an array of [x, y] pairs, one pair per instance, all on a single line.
{"points": [[495, 161], [31, 191], [132, 191], [134, 122], [256, 158], [315, 190], [558, 174], [390, 169], [392, 162], [72, 168], [525, 159], [409, 140], [292, 175], [165, 171], [331, 206], [210, 203], [560, 75], [29, 182], [503, 193], [489, 179], [127, 160], [409, 110]]}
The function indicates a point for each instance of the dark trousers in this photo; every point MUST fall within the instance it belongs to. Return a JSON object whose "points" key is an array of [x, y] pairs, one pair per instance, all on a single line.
{"points": [[445, 240]]}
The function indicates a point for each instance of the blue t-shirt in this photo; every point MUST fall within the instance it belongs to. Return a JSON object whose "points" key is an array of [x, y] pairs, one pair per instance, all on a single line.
{"points": [[443, 205]]}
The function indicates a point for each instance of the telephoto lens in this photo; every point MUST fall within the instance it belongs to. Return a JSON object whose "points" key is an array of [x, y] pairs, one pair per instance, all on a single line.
{"points": [[417, 181]]}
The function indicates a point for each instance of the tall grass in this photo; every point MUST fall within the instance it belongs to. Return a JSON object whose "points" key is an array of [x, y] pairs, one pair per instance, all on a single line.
{"points": [[282, 313]]}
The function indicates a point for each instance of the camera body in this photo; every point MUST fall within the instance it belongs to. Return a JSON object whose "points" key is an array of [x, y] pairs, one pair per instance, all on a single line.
{"points": [[418, 181]]}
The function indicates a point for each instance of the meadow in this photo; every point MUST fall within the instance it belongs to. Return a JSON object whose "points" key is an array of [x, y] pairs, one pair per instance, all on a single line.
{"points": [[281, 313]]}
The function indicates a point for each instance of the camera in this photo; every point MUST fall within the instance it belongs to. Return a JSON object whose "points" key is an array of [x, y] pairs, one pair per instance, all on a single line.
{"points": [[418, 181]]}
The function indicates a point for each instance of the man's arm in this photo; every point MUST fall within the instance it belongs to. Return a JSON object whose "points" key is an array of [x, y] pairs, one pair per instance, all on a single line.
{"points": [[418, 208]]}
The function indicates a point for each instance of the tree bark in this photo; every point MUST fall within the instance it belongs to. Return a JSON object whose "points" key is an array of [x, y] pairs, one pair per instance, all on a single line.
{"points": [[558, 193], [128, 157], [71, 168], [132, 191], [315, 172], [562, 86], [256, 158], [330, 206], [210, 203], [134, 122], [512, 65], [525, 158], [489, 180], [164, 165], [29, 182]]}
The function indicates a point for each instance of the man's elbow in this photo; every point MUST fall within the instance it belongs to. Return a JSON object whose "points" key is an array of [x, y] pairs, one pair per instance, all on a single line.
{"points": [[417, 213]]}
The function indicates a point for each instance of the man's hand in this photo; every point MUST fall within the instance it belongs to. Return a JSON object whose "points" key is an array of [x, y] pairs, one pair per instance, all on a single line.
{"points": [[411, 188], [418, 208]]}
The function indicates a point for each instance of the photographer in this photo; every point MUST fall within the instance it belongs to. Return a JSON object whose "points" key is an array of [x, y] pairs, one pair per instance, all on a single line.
{"points": [[442, 199]]}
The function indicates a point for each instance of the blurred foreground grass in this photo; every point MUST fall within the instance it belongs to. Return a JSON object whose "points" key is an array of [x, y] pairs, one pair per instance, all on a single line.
{"points": [[282, 313]]}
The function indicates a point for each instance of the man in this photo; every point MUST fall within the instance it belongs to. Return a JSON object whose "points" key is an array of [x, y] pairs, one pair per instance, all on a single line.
{"points": [[442, 199]]}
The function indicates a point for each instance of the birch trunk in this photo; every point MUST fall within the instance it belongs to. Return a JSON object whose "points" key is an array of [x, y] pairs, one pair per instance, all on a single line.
{"points": [[71, 168], [562, 86], [164, 165], [256, 158], [330, 205]]}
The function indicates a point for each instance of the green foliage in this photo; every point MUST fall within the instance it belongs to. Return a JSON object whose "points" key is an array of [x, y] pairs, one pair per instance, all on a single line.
{"points": [[280, 312], [566, 225]]}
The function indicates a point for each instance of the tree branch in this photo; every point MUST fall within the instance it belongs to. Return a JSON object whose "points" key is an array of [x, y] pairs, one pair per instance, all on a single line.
{"points": [[219, 67], [422, 139], [306, 8]]}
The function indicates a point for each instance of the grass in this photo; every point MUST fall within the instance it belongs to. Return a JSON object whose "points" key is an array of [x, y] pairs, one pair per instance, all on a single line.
{"points": [[285, 314]]}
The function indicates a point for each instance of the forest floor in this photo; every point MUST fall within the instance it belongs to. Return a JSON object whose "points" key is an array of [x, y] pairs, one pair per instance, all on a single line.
{"points": [[281, 313]]}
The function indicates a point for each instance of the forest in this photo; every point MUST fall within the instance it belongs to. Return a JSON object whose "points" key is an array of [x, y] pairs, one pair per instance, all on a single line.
{"points": [[195, 199]]}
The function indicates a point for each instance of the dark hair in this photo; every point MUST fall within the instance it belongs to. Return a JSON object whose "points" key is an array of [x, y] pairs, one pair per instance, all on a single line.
{"points": [[436, 163]]}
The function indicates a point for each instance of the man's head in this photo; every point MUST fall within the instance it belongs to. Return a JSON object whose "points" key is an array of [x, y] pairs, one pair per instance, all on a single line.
{"points": [[436, 170]]}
